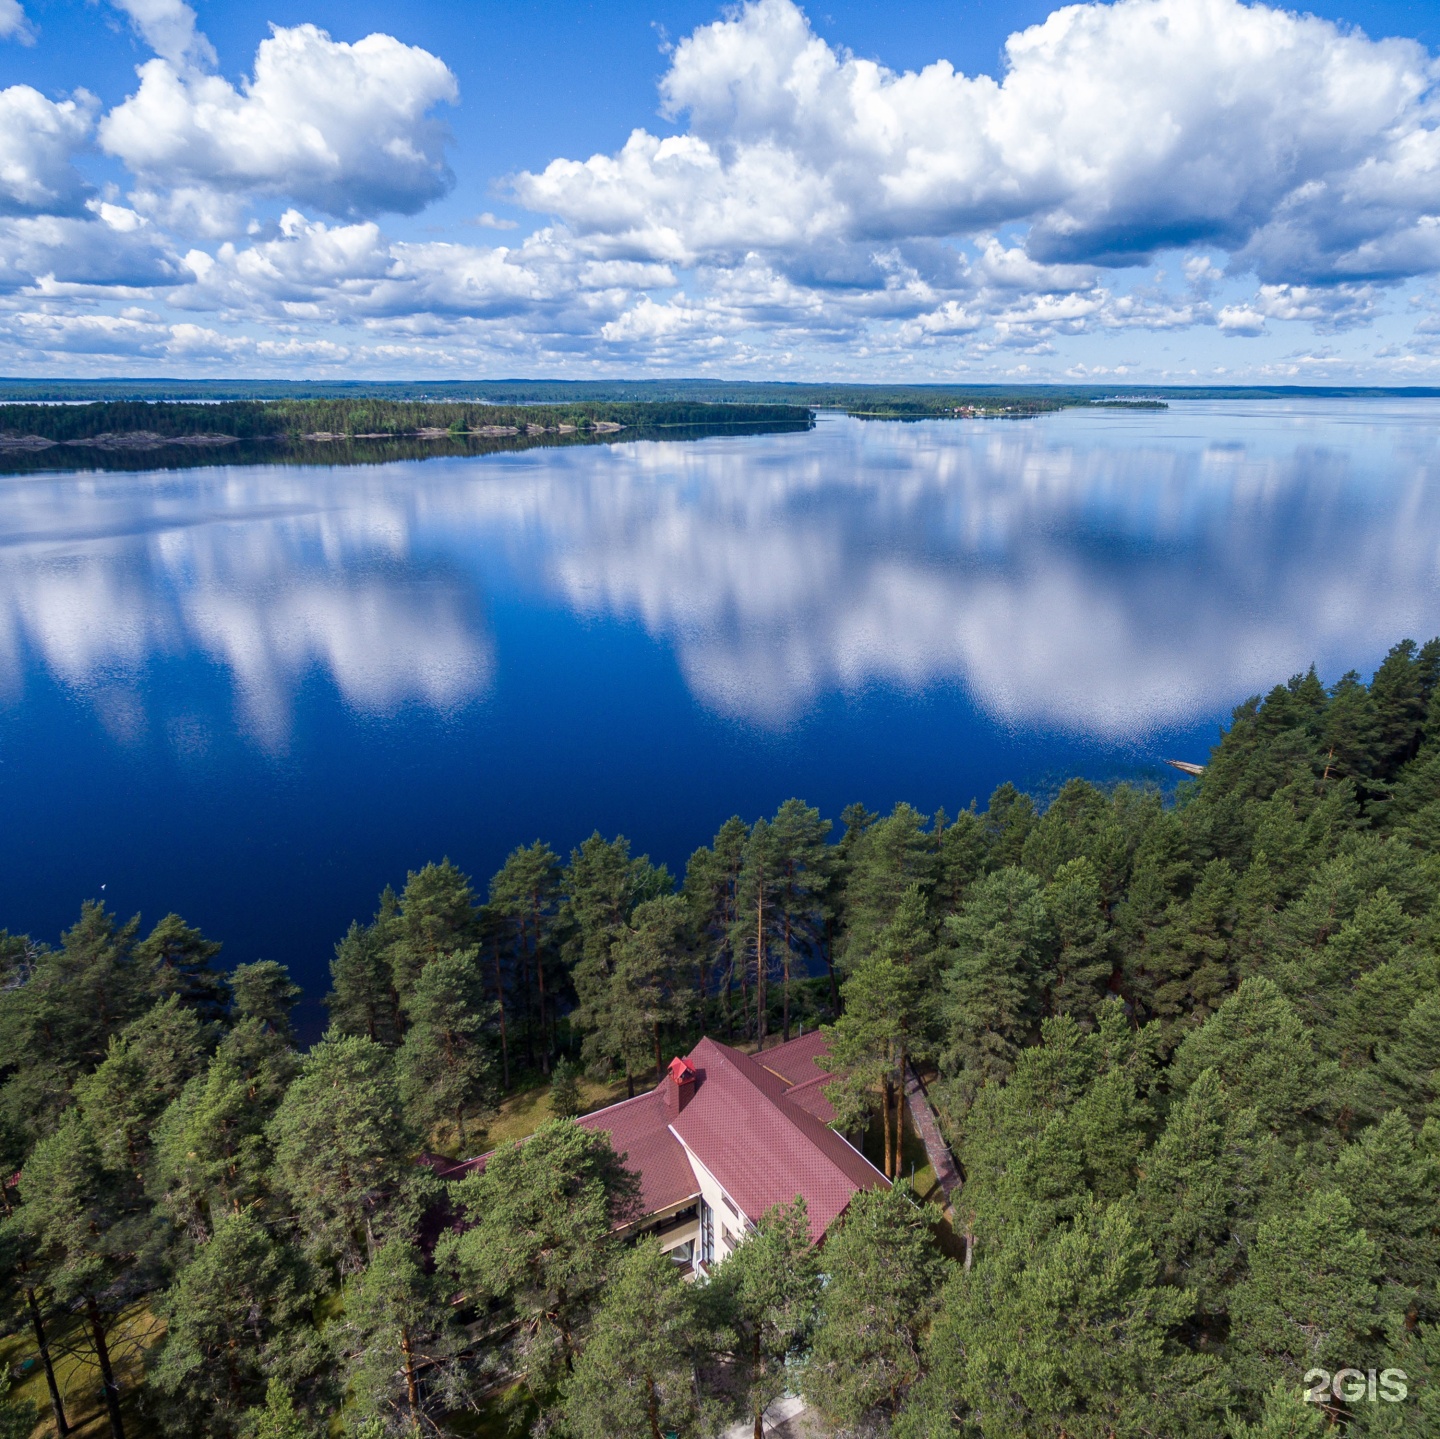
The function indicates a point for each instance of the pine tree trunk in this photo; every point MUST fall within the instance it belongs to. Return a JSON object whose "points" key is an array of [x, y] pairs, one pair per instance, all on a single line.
{"points": [[900, 1114], [528, 993], [62, 1425], [760, 967], [652, 1407], [412, 1388], [744, 991], [540, 978], [885, 1107], [785, 969], [500, 1000], [759, 1413], [107, 1373], [829, 953]]}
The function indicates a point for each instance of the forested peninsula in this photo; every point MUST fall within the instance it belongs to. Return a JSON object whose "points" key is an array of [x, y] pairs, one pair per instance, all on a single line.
{"points": [[132, 423], [1185, 1049]]}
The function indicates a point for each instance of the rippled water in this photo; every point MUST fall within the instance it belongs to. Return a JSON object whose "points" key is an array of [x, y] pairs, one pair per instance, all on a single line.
{"points": [[257, 693]]}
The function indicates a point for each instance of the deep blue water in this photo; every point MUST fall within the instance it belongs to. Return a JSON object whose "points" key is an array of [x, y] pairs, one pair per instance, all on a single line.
{"points": [[257, 694]]}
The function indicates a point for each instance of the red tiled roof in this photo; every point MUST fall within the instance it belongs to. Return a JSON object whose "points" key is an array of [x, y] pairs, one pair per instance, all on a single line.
{"points": [[763, 1150], [758, 1124], [811, 1097], [795, 1059], [639, 1131]]}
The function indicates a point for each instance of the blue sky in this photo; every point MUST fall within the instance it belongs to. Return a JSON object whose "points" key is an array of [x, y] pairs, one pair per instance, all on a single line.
{"points": [[1151, 190]]}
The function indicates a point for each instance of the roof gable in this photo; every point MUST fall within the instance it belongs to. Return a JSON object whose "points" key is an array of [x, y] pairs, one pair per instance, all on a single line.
{"points": [[763, 1150]]}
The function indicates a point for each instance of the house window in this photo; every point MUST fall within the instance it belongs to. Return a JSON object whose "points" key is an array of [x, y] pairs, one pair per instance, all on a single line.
{"points": [[707, 1234], [727, 1239], [729, 1204]]}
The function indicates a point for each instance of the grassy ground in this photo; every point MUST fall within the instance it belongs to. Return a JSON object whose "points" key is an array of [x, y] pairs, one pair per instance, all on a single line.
{"points": [[78, 1374], [522, 1113]]}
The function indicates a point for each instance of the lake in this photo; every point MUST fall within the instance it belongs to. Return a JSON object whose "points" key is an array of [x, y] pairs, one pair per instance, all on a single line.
{"points": [[256, 693]]}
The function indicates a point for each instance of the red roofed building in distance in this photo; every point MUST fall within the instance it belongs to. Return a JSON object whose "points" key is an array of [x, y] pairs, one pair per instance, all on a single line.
{"points": [[724, 1137]]}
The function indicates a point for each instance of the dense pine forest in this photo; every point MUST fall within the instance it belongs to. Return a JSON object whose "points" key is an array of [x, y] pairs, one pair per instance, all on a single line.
{"points": [[1186, 1049], [360, 416]]}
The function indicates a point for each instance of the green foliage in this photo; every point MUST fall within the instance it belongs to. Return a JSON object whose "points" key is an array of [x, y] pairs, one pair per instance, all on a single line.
{"points": [[237, 1312], [565, 1097], [278, 1419], [541, 1237], [1310, 1297], [1189, 1064], [1071, 1337], [342, 1148], [766, 1296], [18, 1417], [399, 1346], [882, 1268], [445, 1066], [637, 1372]]}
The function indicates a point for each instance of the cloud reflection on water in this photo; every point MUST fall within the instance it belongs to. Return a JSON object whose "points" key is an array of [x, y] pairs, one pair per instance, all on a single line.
{"points": [[1105, 575]]}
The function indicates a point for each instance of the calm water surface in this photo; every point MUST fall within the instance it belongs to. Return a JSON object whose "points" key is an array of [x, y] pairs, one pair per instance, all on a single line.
{"points": [[256, 694]]}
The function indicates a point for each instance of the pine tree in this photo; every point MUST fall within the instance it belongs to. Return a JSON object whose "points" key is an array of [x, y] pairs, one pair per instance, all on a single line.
{"points": [[525, 894], [342, 1148], [1392, 1184], [1287, 1415], [212, 1155], [566, 1100], [278, 1418], [436, 917], [712, 877], [237, 1312], [882, 1268], [636, 1374], [540, 1238], [400, 1345], [1260, 1052], [1009, 818], [766, 1293], [604, 887], [757, 900], [887, 858], [1000, 944], [1081, 962], [1072, 1337], [803, 865], [1310, 1298], [363, 998], [1200, 1193], [91, 1235], [147, 1065], [445, 1067], [178, 959], [264, 993]]}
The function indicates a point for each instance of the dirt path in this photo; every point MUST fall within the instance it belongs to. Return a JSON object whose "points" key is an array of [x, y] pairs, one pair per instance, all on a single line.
{"points": [[947, 1174]]}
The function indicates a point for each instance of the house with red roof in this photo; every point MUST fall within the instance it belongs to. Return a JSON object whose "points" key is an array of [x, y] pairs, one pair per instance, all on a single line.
{"points": [[727, 1135], [724, 1137]]}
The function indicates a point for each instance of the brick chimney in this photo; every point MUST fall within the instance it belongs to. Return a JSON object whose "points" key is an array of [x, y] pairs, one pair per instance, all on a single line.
{"points": [[683, 1078]]}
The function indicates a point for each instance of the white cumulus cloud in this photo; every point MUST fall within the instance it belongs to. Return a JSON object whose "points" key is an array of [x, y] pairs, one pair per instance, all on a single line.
{"points": [[168, 28], [13, 24], [345, 128], [1115, 131], [38, 140]]}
